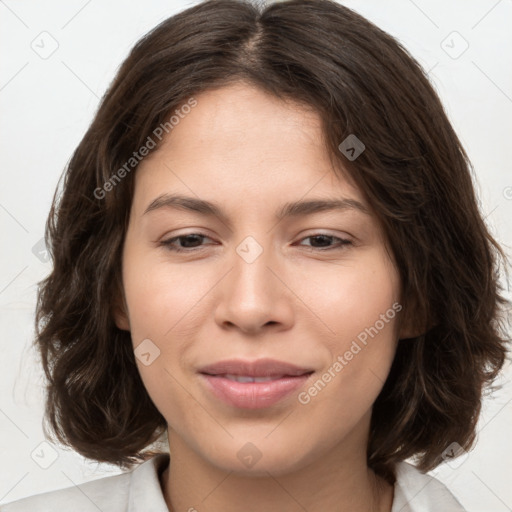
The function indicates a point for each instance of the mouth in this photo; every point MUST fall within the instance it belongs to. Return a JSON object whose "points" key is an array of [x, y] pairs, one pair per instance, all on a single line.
{"points": [[258, 368], [247, 378], [253, 384]]}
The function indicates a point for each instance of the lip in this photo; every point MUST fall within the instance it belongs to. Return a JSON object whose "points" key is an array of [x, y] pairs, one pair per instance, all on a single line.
{"points": [[253, 395], [257, 368]]}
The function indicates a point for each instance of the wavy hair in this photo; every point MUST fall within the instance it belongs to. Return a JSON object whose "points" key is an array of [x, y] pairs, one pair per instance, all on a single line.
{"points": [[414, 173]]}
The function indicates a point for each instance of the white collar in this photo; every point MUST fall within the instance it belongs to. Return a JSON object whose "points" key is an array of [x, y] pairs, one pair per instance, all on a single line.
{"points": [[414, 491]]}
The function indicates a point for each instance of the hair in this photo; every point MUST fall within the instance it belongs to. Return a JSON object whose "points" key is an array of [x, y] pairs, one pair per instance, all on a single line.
{"points": [[413, 172]]}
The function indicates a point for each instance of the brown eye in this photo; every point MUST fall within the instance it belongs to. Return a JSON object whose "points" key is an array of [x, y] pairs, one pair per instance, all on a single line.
{"points": [[189, 242], [323, 242]]}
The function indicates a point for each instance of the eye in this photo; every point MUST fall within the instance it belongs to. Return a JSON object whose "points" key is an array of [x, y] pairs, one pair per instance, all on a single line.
{"points": [[189, 242], [322, 242], [193, 241]]}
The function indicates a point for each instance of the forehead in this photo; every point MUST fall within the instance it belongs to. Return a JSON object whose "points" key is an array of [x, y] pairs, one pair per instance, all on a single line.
{"points": [[240, 141]]}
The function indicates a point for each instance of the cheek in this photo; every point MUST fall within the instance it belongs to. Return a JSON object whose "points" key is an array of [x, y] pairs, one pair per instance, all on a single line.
{"points": [[349, 296], [165, 306], [162, 298], [359, 305]]}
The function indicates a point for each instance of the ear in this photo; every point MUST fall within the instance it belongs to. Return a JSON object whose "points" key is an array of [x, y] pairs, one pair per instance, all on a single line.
{"points": [[411, 325], [120, 312], [409, 331]]}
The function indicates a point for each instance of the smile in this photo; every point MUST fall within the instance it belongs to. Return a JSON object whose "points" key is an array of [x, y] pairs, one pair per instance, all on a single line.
{"points": [[247, 392]]}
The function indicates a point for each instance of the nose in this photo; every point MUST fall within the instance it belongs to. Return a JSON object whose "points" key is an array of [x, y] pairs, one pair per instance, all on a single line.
{"points": [[254, 296]]}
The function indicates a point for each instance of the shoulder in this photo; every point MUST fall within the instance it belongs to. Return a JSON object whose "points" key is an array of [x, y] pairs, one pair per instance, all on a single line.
{"points": [[418, 492], [89, 496], [109, 494]]}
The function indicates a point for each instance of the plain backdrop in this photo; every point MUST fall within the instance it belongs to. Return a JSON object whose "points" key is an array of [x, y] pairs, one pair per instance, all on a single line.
{"points": [[57, 59]]}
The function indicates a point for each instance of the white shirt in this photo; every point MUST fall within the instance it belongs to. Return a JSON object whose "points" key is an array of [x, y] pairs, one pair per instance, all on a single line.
{"points": [[139, 490]]}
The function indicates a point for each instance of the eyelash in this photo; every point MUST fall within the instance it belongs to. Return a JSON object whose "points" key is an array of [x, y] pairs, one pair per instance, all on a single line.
{"points": [[168, 243]]}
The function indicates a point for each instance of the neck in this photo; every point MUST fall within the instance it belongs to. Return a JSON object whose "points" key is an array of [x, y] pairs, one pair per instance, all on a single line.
{"points": [[191, 483]]}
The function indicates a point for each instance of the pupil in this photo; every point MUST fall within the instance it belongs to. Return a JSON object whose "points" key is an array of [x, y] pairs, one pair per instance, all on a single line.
{"points": [[186, 238], [325, 238]]}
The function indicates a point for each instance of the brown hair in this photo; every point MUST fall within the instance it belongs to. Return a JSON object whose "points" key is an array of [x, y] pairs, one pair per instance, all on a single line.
{"points": [[414, 173]]}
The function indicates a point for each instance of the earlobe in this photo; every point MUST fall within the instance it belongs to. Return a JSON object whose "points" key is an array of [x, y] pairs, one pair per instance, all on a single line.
{"points": [[407, 333], [119, 313], [410, 326], [121, 319]]}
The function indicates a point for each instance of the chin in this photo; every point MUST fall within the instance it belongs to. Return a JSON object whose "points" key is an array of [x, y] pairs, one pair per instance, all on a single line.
{"points": [[261, 457]]}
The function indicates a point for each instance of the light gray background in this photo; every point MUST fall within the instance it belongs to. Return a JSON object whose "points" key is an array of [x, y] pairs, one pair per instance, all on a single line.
{"points": [[46, 105]]}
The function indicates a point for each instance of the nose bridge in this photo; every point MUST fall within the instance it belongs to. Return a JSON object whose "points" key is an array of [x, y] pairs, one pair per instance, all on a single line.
{"points": [[251, 275], [252, 296]]}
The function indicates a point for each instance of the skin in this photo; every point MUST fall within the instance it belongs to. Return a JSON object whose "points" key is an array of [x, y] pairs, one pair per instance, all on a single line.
{"points": [[251, 153]]}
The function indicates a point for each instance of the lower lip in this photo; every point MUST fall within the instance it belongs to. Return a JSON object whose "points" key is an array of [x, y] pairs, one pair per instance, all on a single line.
{"points": [[253, 395]]}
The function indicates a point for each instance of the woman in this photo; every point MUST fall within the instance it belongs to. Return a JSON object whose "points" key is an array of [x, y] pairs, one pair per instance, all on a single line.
{"points": [[268, 251]]}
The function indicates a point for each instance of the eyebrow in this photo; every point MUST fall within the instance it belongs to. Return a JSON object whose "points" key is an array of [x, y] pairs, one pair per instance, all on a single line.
{"points": [[291, 209]]}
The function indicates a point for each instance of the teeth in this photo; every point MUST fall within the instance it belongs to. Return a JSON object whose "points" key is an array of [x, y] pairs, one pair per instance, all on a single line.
{"points": [[244, 378]]}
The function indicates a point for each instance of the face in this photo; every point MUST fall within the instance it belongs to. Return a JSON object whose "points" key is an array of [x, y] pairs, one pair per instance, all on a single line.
{"points": [[312, 287]]}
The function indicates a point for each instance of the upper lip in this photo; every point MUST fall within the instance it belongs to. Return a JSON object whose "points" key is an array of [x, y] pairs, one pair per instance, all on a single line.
{"points": [[257, 368]]}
